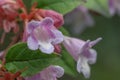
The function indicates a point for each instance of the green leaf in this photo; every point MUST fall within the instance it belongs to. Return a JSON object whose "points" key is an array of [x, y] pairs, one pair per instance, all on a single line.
{"points": [[68, 63], [61, 6], [64, 31], [20, 57], [100, 6]]}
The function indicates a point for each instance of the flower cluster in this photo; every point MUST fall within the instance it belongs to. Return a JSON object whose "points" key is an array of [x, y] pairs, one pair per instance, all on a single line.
{"points": [[41, 32], [82, 53], [44, 35]]}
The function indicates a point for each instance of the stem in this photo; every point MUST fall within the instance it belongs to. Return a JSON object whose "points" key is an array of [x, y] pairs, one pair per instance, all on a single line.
{"points": [[3, 37]]}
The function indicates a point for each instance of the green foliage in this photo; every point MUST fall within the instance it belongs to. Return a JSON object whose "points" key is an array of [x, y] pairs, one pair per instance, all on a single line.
{"points": [[19, 57], [100, 6], [68, 63], [61, 6]]}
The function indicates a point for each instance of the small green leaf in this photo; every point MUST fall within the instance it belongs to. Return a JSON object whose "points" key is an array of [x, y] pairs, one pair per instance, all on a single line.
{"points": [[61, 6]]}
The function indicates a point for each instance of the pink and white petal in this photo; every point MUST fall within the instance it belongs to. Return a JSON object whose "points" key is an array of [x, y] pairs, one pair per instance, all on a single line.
{"points": [[58, 36], [93, 56], [79, 65], [82, 66], [41, 34], [32, 43], [32, 25], [45, 47], [58, 71], [47, 22], [47, 74], [86, 70]]}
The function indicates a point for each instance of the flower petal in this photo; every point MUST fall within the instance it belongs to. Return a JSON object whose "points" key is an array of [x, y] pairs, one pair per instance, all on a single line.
{"points": [[58, 71], [45, 47], [82, 66], [32, 25], [47, 22], [73, 46], [84, 51], [44, 40], [41, 34], [93, 56], [92, 43], [58, 18], [58, 36], [32, 43]]}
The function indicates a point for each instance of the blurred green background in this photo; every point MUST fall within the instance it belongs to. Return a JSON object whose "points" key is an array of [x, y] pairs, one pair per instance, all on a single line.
{"points": [[108, 59]]}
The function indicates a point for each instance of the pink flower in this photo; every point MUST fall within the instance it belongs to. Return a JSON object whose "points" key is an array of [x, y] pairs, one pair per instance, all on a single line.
{"points": [[43, 35], [81, 51], [8, 14], [80, 18], [50, 73], [57, 17]]}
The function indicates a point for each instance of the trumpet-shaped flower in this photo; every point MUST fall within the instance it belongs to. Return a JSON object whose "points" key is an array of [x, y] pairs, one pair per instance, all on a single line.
{"points": [[50, 73], [82, 53], [43, 35], [80, 18]]}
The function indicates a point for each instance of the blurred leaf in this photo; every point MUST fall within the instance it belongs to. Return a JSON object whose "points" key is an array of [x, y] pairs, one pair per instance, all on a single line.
{"points": [[20, 57], [64, 31], [100, 6], [61, 6]]}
